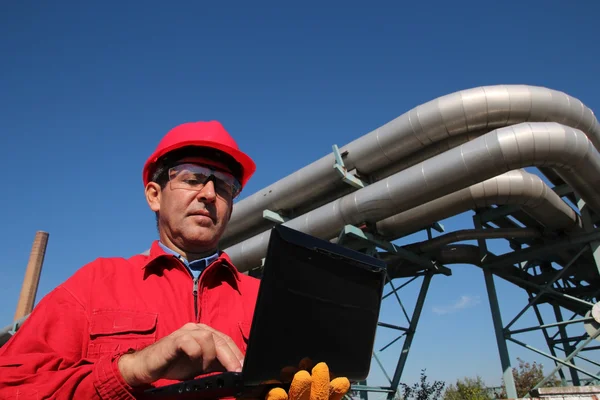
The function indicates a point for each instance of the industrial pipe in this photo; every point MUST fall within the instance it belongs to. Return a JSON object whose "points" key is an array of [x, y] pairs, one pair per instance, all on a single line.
{"points": [[566, 149], [473, 234], [516, 187], [472, 110]]}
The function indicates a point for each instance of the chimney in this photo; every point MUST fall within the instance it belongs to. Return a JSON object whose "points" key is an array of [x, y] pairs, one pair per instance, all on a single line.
{"points": [[32, 275]]}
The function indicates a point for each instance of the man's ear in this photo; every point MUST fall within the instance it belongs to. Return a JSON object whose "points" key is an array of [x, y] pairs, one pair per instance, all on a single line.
{"points": [[153, 196]]}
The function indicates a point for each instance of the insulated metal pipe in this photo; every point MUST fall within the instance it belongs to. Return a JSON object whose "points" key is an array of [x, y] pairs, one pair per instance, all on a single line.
{"points": [[516, 187], [473, 234], [566, 149], [472, 110]]}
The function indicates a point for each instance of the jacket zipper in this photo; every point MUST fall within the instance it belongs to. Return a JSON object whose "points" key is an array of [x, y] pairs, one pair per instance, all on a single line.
{"points": [[195, 293]]}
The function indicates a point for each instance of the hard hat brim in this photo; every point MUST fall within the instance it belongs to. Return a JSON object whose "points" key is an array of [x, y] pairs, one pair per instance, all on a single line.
{"points": [[247, 164]]}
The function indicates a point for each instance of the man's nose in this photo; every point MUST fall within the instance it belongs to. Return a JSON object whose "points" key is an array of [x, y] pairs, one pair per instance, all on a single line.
{"points": [[208, 190]]}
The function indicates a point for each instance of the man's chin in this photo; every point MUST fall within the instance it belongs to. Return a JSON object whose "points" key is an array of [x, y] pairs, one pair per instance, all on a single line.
{"points": [[201, 243]]}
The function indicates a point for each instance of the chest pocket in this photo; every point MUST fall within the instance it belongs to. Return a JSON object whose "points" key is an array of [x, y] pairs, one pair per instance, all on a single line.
{"points": [[113, 331]]}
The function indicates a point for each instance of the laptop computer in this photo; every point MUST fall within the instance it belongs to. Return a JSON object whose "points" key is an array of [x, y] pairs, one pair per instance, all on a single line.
{"points": [[317, 301]]}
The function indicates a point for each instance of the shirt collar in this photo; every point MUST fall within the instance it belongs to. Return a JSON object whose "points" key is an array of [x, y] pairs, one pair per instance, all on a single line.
{"points": [[157, 251], [206, 261]]}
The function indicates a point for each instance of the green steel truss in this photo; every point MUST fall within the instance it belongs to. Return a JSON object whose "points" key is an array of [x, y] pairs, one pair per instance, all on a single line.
{"points": [[557, 271]]}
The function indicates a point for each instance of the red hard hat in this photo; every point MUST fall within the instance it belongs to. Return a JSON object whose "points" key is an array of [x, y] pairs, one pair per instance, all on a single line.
{"points": [[209, 134]]}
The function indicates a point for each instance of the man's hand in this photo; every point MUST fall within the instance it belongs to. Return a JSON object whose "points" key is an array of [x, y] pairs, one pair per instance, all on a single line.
{"points": [[188, 352], [317, 386]]}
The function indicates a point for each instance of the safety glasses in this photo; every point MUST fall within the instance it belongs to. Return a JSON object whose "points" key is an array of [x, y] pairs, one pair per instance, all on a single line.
{"points": [[194, 176]]}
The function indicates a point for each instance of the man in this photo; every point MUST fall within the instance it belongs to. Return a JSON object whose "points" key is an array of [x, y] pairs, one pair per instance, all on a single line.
{"points": [[119, 326]]}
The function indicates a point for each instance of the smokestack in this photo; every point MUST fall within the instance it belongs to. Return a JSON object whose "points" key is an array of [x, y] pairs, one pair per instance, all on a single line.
{"points": [[32, 275]]}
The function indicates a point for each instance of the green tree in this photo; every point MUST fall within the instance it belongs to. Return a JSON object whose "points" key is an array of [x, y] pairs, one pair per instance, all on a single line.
{"points": [[422, 390], [468, 389], [527, 376]]}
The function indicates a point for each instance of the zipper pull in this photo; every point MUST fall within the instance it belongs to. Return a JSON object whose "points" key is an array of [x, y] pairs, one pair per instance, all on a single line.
{"points": [[195, 290]]}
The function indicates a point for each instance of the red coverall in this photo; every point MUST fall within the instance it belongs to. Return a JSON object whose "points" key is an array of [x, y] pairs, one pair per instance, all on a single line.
{"points": [[68, 347]]}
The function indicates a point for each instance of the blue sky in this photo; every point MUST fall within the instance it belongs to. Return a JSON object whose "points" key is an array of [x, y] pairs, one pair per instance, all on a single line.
{"points": [[87, 90]]}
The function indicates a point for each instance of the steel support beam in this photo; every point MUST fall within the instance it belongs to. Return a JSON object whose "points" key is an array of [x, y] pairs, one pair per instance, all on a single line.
{"points": [[553, 292], [546, 326], [410, 334], [569, 358], [354, 232], [497, 212], [538, 314], [568, 348], [395, 291], [550, 247], [507, 375], [566, 362], [546, 288], [588, 225]]}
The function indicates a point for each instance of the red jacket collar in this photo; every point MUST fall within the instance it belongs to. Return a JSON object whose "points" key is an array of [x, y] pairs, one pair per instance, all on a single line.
{"points": [[157, 252]]}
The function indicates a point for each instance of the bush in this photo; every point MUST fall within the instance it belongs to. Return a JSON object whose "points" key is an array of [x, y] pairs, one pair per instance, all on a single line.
{"points": [[527, 376], [422, 390], [468, 389]]}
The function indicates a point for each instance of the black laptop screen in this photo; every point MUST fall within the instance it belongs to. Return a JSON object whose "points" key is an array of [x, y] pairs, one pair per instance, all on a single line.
{"points": [[314, 305]]}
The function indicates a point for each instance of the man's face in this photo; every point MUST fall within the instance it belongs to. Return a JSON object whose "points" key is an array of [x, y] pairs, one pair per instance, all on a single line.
{"points": [[191, 220]]}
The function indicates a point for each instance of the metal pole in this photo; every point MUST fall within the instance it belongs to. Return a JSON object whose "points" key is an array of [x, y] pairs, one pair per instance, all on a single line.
{"points": [[507, 375], [545, 326], [32, 275], [410, 335], [395, 292], [561, 323], [569, 358], [567, 345], [588, 225], [566, 362]]}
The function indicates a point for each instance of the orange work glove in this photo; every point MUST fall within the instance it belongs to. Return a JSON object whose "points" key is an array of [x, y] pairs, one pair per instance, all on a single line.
{"points": [[317, 386]]}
